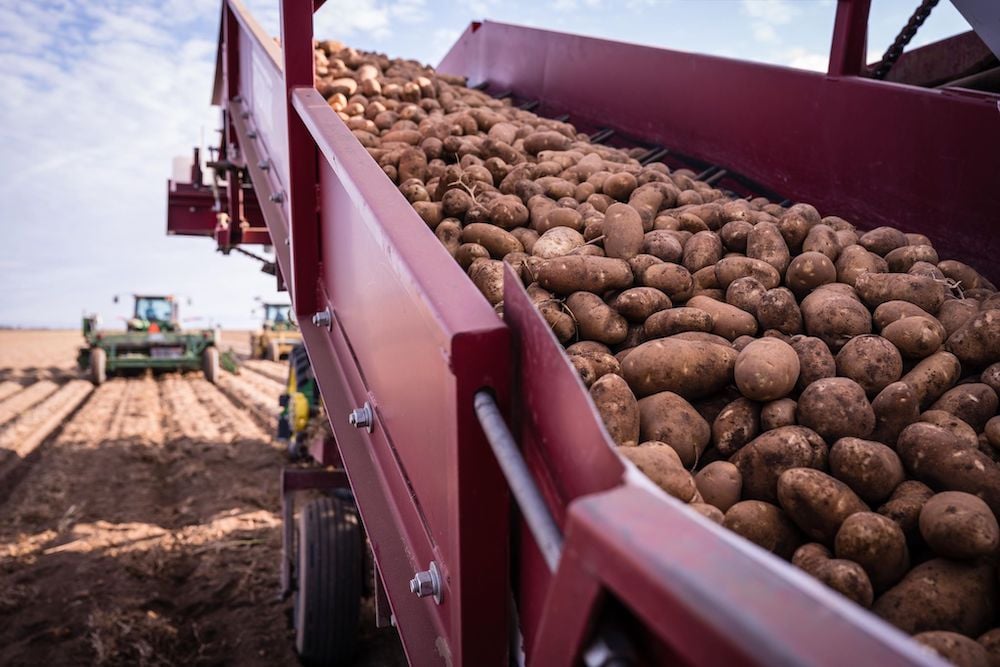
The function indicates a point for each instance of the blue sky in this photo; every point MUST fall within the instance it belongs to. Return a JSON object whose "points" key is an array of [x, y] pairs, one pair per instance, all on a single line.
{"points": [[97, 98]]}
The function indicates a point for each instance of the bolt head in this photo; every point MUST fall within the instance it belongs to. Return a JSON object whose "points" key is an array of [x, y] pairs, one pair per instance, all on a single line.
{"points": [[263, 165], [422, 584], [277, 197]]}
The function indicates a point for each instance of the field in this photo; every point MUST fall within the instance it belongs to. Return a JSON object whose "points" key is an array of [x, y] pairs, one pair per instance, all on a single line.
{"points": [[139, 520]]}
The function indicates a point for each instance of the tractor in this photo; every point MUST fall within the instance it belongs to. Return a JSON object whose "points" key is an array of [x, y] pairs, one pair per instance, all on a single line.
{"points": [[278, 334], [153, 338]]}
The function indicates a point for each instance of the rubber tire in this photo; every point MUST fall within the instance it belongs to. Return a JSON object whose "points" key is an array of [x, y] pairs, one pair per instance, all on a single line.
{"points": [[210, 364], [98, 365], [328, 572]]}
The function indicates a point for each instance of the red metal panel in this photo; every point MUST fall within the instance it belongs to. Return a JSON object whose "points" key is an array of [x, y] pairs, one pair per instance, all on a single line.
{"points": [[848, 51], [710, 596], [872, 152], [190, 210]]}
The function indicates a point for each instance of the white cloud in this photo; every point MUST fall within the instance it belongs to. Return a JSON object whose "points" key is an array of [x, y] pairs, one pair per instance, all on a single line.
{"points": [[766, 16], [805, 59]]}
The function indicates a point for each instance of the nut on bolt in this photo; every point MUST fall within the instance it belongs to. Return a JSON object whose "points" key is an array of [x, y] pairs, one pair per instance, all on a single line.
{"points": [[277, 197], [323, 319], [362, 417], [427, 583], [264, 165]]}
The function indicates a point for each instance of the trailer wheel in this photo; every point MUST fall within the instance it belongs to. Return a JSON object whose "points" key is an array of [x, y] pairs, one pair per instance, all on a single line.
{"points": [[210, 364], [329, 582], [98, 365]]}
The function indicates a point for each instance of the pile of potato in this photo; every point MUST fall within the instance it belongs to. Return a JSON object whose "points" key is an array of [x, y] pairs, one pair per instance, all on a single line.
{"points": [[827, 393]]}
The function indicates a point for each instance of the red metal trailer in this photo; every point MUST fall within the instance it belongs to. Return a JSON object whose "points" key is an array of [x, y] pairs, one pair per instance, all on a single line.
{"points": [[499, 517]]}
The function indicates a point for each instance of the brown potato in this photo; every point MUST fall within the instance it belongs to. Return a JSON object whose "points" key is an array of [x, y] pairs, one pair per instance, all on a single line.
{"points": [[836, 408], [816, 502], [667, 417], [720, 484], [729, 269], [745, 294], [905, 504], [808, 271], [822, 239], [618, 408], [727, 321], [967, 277], [915, 337], [991, 642], [834, 318], [941, 595], [778, 310], [877, 544], [763, 459], [623, 235], [815, 360], [677, 320], [962, 434], [895, 408], [736, 425], [555, 313], [871, 469], [661, 465], [564, 275], [991, 376], [883, 240], [638, 303], [764, 242], [890, 311], [663, 244], [977, 343], [766, 369], [844, 576], [734, 235], [974, 403], [693, 369], [710, 512], [933, 376], [765, 525], [619, 186], [871, 361], [854, 261], [702, 250], [955, 313], [776, 414], [467, 253], [487, 275], [877, 288], [556, 242], [959, 525], [672, 279], [902, 259], [955, 648], [595, 319]]}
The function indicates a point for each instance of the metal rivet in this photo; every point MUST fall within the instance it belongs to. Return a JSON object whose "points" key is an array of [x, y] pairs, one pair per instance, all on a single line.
{"points": [[238, 99], [252, 134], [264, 165], [323, 319], [427, 583], [244, 115], [277, 197], [362, 417]]}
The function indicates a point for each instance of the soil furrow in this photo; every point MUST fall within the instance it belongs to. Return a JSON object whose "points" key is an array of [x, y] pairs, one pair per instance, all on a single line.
{"points": [[262, 406], [233, 420], [187, 416], [35, 425], [272, 370], [21, 401], [8, 388]]}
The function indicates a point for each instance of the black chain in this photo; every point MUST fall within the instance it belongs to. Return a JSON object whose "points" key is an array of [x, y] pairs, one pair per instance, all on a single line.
{"points": [[893, 53]]}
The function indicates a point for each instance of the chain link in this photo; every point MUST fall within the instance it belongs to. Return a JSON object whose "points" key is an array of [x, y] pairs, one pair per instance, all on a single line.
{"points": [[893, 53]]}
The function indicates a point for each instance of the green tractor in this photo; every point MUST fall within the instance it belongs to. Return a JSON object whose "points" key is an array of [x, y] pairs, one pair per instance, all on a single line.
{"points": [[152, 339], [278, 333]]}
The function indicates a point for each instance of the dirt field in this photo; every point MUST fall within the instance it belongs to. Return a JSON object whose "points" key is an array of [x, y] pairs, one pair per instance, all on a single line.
{"points": [[139, 521]]}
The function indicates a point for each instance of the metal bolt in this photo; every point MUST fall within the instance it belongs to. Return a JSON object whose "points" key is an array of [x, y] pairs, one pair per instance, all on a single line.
{"points": [[244, 115], [427, 583], [277, 197], [252, 134], [264, 165], [362, 417], [237, 99], [323, 319]]}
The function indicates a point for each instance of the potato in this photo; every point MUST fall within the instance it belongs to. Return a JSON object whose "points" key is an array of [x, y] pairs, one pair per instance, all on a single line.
{"points": [[735, 426], [815, 360], [877, 544], [729, 269], [487, 275], [765, 525], [991, 376], [560, 217], [933, 376], [763, 459], [836, 408], [915, 337], [882, 240], [619, 186], [766, 369], [991, 642], [702, 250], [974, 403], [545, 141], [890, 311], [667, 417], [598, 355], [618, 409], [508, 212], [720, 484], [822, 239], [895, 408], [906, 503], [929, 454], [661, 465], [557, 242], [855, 261], [977, 343], [808, 271], [467, 253], [955, 648], [764, 242], [959, 525], [871, 469], [734, 235], [902, 259], [623, 235], [727, 321], [710, 512], [816, 502], [677, 320], [834, 318], [794, 229], [693, 369], [778, 310], [955, 313], [638, 303], [672, 279], [663, 244], [844, 576], [776, 414], [877, 288], [555, 313], [527, 237], [961, 433], [595, 319], [871, 361], [564, 275], [941, 595], [745, 294]]}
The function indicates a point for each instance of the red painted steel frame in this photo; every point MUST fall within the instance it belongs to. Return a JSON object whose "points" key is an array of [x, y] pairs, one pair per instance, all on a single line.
{"points": [[873, 152], [410, 335]]}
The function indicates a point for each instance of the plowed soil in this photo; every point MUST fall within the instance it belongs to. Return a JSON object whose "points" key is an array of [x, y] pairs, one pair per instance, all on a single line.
{"points": [[140, 520]]}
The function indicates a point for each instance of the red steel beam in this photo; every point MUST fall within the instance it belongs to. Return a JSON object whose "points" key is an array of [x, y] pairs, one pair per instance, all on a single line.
{"points": [[848, 50]]}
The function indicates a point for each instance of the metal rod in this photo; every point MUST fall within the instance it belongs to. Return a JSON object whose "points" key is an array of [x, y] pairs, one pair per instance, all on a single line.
{"points": [[562, 118], [529, 106], [653, 154], [601, 136], [529, 498], [717, 176]]}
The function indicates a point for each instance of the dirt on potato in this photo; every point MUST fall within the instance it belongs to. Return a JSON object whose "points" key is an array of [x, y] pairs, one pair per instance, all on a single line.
{"points": [[144, 528]]}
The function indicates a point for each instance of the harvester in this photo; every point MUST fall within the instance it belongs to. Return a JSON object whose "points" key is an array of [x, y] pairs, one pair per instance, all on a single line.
{"points": [[153, 338], [278, 333]]}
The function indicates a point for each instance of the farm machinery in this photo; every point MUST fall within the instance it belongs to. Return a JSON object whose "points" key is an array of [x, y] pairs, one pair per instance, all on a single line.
{"points": [[463, 449], [153, 338], [278, 333]]}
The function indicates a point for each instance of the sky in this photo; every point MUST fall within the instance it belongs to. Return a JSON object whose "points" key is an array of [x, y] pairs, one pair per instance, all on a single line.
{"points": [[97, 98]]}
